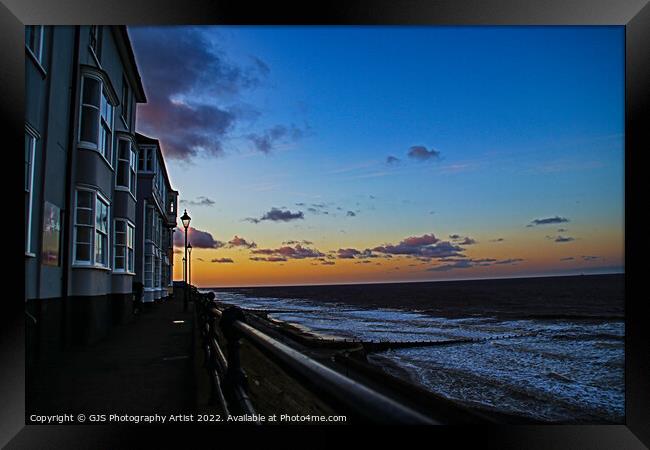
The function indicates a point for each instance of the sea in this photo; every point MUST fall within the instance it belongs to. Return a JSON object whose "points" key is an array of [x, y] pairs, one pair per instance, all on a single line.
{"points": [[548, 349]]}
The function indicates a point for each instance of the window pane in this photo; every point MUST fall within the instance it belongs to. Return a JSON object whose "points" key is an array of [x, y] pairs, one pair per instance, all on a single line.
{"points": [[119, 263], [91, 90], [82, 252], [89, 127], [120, 226], [84, 199], [100, 248], [101, 216], [130, 259], [132, 182], [119, 252], [124, 150], [107, 143], [83, 235], [84, 216], [122, 173], [130, 239]]}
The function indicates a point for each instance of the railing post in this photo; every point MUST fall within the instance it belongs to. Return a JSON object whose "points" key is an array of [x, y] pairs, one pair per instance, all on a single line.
{"points": [[235, 382]]}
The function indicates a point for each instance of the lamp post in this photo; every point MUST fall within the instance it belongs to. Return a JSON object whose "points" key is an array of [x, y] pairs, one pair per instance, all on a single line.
{"points": [[186, 224], [189, 265]]}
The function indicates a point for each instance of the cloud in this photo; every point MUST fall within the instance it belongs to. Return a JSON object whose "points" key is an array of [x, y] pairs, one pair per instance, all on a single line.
{"points": [[188, 85], [423, 246], [547, 221], [198, 239], [293, 242], [278, 215], [222, 260], [351, 253], [421, 153], [590, 258], [466, 263], [497, 240], [268, 259], [509, 261], [462, 240], [569, 258], [564, 239], [392, 160], [461, 264], [267, 140], [350, 214], [200, 201], [297, 252], [241, 242]]}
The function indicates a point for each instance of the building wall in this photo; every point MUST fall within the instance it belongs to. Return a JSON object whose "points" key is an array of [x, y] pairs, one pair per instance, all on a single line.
{"points": [[95, 298], [93, 170], [48, 92]]}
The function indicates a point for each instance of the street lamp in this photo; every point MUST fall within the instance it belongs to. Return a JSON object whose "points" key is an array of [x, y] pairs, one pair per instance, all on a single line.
{"points": [[189, 265], [186, 223]]}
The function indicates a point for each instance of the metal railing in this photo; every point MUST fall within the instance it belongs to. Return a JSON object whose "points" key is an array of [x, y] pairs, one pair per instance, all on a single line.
{"points": [[229, 387]]}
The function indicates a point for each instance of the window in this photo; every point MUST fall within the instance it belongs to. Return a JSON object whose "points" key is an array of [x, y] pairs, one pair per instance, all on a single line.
{"points": [[126, 102], [91, 229], [126, 165], [124, 238], [156, 274], [94, 39], [148, 271], [148, 222], [34, 41], [96, 122], [106, 130], [30, 150]]}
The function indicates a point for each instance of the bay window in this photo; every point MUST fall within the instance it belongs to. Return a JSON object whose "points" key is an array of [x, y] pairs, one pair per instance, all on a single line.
{"points": [[126, 165], [91, 229], [96, 121], [124, 240]]}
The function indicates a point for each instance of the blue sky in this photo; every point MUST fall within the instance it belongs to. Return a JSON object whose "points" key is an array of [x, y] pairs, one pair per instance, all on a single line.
{"points": [[513, 124]]}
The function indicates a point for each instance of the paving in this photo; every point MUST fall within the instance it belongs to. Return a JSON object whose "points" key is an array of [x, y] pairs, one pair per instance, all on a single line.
{"points": [[142, 367]]}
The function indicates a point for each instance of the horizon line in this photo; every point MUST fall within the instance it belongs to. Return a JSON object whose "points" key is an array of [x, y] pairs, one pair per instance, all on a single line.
{"points": [[452, 280]]}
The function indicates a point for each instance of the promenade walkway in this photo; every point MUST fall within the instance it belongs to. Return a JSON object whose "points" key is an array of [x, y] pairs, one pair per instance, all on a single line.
{"points": [[142, 367]]}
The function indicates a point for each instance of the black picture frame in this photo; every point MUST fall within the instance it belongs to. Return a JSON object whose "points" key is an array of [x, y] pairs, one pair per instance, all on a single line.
{"points": [[633, 14]]}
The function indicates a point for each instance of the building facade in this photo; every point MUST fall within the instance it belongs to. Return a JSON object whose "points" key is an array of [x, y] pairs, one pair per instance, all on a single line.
{"points": [[82, 86], [157, 208]]}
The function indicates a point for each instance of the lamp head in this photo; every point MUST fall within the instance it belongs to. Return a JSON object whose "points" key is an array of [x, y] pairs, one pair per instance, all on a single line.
{"points": [[186, 219]]}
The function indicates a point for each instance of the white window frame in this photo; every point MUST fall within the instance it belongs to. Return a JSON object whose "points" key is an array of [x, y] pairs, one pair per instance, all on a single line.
{"points": [[37, 55], [91, 263], [129, 258], [132, 177], [29, 187], [97, 146]]}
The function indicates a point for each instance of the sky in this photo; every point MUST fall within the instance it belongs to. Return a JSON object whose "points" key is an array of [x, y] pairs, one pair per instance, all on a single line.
{"points": [[339, 154]]}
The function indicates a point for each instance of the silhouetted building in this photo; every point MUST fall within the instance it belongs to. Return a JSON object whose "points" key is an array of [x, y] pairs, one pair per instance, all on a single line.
{"points": [[157, 205], [81, 181]]}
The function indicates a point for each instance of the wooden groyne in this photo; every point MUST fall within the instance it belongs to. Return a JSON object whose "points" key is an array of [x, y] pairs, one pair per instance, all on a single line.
{"points": [[373, 346]]}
